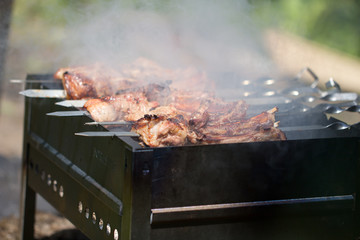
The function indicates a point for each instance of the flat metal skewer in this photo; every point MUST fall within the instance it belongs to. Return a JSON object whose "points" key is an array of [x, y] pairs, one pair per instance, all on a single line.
{"points": [[334, 126], [32, 81], [72, 103], [43, 93], [109, 123], [68, 113], [107, 134]]}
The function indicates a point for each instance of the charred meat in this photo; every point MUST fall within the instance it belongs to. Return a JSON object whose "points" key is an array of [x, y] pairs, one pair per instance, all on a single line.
{"points": [[160, 131]]}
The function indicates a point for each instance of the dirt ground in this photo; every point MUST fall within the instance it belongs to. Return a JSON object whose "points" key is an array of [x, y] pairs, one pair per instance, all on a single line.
{"points": [[290, 53]]}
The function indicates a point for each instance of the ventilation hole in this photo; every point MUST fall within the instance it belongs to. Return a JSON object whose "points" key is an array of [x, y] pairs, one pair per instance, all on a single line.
{"points": [[55, 186], [87, 213], [108, 229], [80, 207], [43, 175], [61, 191], [116, 234], [48, 181], [36, 168], [93, 217], [101, 224]]}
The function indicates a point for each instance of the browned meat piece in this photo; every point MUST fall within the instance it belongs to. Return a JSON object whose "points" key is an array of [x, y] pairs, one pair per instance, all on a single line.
{"points": [[167, 111], [102, 111], [127, 106], [188, 101], [270, 134], [263, 121], [223, 112], [92, 81], [160, 131], [98, 80]]}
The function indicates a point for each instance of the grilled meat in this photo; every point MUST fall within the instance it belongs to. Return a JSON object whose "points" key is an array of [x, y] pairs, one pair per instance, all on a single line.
{"points": [[92, 81], [160, 131], [164, 115], [263, 121], [98, 80], [165, 130], [128, 106], [270, 134]]}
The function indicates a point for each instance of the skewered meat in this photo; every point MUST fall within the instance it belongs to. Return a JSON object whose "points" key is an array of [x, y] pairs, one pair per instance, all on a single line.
{"points": [[128, 106], [263, 121], [159, 131], [164, 115], [92, 81], [271, 134], [98, 80]]}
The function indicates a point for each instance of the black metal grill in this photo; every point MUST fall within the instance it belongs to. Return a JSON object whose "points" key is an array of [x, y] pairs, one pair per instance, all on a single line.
{"points": [[112, 188]]}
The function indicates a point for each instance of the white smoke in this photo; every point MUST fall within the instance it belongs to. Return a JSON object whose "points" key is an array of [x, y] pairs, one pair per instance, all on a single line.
{"points": [[210, 35]]}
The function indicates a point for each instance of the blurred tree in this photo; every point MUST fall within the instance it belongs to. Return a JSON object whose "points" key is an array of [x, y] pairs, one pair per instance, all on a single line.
{"points": [[330, 22], [5, 13]]}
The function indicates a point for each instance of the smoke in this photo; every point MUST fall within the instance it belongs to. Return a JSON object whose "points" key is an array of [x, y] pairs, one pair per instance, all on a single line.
{"points": [[209, 35]]}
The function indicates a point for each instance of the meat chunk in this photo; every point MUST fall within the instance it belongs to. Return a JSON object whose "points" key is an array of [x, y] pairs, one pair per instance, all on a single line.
{"points": [[127, 106], [160, 131], [98, 80], [271, 134], [92, 81], [102, 111], [263, 121]]}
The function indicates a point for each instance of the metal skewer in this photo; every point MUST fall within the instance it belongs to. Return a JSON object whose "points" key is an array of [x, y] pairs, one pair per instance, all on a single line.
{"points": [[72, 103], [43, 93], [68, 113], [31, 81], [109, 123], [333, 126], [107, 134]]}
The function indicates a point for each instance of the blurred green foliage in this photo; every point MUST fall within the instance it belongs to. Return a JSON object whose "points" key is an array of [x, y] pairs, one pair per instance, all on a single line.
{"points": [[330, 22], [39, 26]]}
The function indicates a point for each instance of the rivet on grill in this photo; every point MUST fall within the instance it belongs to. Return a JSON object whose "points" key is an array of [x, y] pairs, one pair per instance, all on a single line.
{"points": [[246, 94], [269, 93], [295, 93], [309, 99], [61, 191], [246, 82], [101, 224], [93, 217], [87, 213], [48, 181], [43, 175], [55, 185], [108, 229], [269, 82], [80, 207], [116, 234]]}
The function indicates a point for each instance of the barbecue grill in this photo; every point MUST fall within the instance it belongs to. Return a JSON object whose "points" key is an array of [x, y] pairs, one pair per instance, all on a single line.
{"points": [[113, 188]]}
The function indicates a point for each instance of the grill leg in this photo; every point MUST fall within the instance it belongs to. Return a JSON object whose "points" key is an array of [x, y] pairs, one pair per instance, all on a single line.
{"points": [[27, 214], [28, 203]]}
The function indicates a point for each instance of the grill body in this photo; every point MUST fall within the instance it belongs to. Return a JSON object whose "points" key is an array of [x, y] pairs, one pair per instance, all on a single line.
{"points": [[112, 188]]}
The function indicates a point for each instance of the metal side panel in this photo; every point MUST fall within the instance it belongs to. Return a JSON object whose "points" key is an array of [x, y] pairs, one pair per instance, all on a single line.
{"points": [[91, 208], [272, 190]]}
